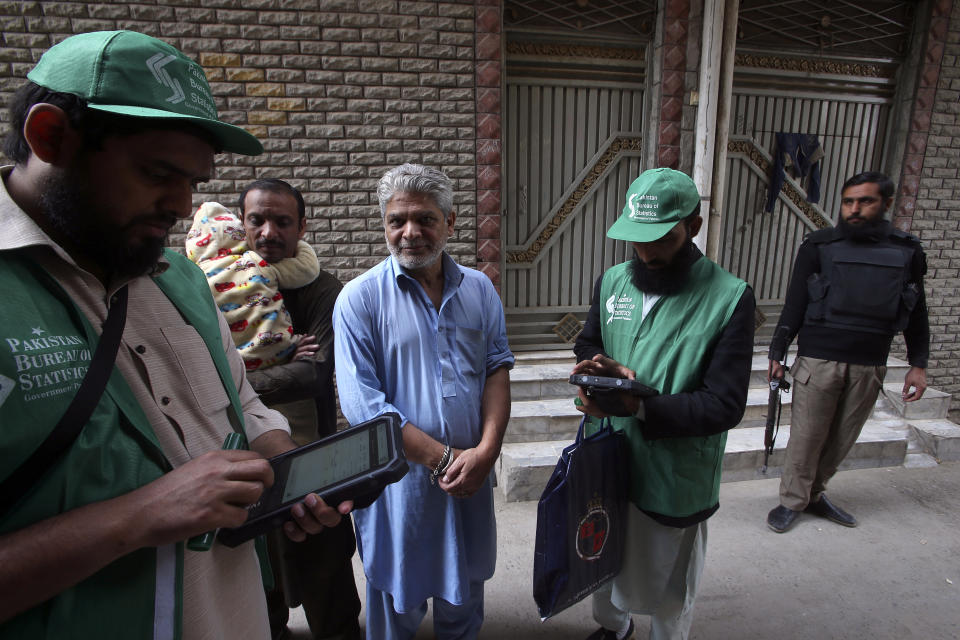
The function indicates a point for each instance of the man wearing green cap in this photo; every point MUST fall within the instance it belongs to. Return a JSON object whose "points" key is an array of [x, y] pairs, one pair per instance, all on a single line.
{"points": [[675, 321], [111, 454]]}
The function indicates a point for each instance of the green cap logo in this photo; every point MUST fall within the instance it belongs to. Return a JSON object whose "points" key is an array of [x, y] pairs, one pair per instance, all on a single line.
{"points": [[656, 201], [156, 65]]}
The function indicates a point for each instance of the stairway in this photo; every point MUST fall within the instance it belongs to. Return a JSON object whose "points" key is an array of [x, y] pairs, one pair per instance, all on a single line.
{"points": [[543, 421]]}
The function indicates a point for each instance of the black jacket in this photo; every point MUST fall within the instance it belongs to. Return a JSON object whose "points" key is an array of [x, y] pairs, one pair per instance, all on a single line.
{"points": [[843, 345]]}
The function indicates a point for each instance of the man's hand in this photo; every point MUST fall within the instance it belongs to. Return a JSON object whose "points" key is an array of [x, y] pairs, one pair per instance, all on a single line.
{"points": [[208, 492], [467, 473], [307, 347], [589, 406], [775, 371], [914, 384], [601, 365], [312, 515]]}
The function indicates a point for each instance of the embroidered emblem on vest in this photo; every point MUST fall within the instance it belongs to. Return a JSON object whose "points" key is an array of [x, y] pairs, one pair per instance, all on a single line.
{"points": [[48, 365], [619, 308]]}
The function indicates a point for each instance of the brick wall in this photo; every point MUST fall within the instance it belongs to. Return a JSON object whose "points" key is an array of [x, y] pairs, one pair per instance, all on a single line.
{"points": [[337, 90], [936, 218]]}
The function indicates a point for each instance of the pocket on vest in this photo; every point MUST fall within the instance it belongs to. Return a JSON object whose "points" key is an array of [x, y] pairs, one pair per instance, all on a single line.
{"points": [[867, 288]]}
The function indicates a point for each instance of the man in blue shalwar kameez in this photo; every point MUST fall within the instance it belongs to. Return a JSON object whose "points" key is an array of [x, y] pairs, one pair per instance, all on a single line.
{"points": [[425, 338]]}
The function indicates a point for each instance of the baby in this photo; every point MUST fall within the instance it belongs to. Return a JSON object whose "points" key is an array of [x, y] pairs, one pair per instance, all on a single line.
{"points": [[246, 287]]}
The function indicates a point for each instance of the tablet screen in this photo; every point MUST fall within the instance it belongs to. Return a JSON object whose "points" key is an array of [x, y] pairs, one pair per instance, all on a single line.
{"points": [[324, 466]]}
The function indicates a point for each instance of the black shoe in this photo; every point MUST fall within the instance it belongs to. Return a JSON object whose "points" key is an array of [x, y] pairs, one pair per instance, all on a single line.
{"points": [[782, 518], [606, 634], [826, 509]]}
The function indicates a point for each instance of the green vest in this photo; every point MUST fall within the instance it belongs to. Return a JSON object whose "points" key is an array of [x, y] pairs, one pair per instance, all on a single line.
{"points": [[669, 350], [46, 345]]}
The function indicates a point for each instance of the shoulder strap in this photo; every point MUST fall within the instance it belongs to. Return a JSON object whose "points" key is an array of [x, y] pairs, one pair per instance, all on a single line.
{"points": [[79, 411], [903, 236], [825, 235]]}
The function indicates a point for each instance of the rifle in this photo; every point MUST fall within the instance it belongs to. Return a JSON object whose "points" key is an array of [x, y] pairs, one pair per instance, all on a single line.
{"points": [[773, 416]]}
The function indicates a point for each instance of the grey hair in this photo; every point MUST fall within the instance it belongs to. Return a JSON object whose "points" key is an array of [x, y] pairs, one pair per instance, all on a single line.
{"points": [[416, 178]]}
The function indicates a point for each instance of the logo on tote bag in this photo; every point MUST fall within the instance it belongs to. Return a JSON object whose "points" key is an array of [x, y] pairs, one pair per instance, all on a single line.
{"points": [[592, 531]]}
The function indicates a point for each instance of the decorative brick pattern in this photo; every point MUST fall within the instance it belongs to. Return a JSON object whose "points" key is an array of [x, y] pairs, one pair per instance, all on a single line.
{"points": [[673, 74], [488, 139], [930, 193], [338, 91], [921, 118]]}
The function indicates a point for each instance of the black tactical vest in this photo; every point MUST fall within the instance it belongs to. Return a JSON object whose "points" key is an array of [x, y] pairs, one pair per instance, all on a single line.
{"points": [[862, 286]]}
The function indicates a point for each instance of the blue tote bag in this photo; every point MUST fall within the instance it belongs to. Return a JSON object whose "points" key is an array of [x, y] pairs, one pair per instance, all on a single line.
{"points": [[581, 520]]}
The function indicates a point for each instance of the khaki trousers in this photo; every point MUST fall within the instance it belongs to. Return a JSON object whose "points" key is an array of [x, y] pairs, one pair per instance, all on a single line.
{"points": [[831, 402]]}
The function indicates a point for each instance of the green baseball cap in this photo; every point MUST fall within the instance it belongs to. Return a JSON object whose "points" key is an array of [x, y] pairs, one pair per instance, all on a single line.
{"points": [[133, 74], [656, 201]]}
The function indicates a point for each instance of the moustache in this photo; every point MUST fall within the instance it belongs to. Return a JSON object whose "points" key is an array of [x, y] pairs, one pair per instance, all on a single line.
{"points": [[276, 244]]}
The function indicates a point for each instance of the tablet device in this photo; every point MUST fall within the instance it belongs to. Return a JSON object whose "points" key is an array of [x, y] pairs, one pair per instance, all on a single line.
{"points": [[349, 464], [606, 392], [600, 383]]}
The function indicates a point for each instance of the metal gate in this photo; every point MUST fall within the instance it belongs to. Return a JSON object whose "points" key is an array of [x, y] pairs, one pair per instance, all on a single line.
{"points": [[811, 67], [572, 148], [850, 119]]}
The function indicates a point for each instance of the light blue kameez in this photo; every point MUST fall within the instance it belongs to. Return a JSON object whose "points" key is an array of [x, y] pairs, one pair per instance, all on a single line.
{"points": [[395, 352]]}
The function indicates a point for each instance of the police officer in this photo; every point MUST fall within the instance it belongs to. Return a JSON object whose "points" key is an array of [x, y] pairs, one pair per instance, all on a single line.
{"points": [[854, 286]]}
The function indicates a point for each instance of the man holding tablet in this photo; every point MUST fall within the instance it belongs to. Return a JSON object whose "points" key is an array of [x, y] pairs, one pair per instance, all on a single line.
{"points": [[107, 152], [679, 324], [420, 336]]}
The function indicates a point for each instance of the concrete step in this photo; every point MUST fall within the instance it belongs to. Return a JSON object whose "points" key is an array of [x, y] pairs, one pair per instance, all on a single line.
{"points": [[939, 438], [882, 443], [536, 420], [558, 418], [555, 356], [934, 404], [525, 467], [533, 420], [545, 377], [886, 440], [541, 382]]}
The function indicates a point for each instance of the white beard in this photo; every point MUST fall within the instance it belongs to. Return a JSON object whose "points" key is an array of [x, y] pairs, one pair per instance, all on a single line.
{"points": [[419, 262]]}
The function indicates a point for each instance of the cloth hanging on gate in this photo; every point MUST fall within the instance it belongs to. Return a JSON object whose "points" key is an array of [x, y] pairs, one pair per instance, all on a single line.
{"points": [[804, 153]]}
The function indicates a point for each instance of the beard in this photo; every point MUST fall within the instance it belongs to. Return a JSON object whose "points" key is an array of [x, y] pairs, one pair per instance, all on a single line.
{"points": [[418, 262], [866, 231], [669, 279], [68, 206]]}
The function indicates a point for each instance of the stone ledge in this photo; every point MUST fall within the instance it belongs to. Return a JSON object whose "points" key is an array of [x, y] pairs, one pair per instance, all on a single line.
{"points": [[882, 443], [563, 356], [536, 420], [934, 404], [524, 467], [939, 438]]}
